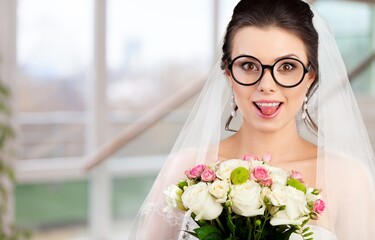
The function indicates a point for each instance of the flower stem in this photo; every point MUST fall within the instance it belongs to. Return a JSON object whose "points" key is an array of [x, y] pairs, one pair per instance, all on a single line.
{"points": [[250, 228], [220, 224], [266, 218]]}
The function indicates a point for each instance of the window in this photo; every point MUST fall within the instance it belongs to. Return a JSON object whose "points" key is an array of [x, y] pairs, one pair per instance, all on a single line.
{"points": [[352, 23]]}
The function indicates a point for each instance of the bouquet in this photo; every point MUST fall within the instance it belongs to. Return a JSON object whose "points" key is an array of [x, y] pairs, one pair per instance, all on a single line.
{"points": [[246, 199]]}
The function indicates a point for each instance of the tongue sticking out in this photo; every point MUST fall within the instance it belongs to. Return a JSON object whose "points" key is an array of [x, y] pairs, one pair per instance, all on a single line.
{"points": [[268, 110]]}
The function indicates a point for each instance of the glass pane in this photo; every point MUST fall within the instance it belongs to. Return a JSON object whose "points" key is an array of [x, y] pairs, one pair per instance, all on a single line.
{"points": [[155, 49], [53, 210], [226, 11], [54, 52], [128, 195], [54, 47], [351, 23]]}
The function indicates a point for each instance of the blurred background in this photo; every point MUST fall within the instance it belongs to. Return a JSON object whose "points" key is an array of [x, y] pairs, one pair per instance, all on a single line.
{"points": [[112, 81]]}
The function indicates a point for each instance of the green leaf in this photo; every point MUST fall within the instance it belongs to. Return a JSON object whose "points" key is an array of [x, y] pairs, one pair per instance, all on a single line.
{"points": [[182, 184], [305, 222], [10, 173], [297, 185], [208, 232], [191, 233], [307, 234], [305, 229], [4, 90], [2, 166], [4, 109]]}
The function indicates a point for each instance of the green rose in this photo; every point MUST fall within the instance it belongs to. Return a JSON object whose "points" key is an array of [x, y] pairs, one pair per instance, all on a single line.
{"points": [[239, 175]]}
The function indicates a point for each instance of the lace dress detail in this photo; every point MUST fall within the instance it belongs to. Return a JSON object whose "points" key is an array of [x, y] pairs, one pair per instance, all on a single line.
{"points": [[172, 216], [188, 225]]}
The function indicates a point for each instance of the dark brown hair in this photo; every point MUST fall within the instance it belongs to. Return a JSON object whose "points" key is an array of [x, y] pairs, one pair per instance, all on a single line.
{"points": [[291, 15]]}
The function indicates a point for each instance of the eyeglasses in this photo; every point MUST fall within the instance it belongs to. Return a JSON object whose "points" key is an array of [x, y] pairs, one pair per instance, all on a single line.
{"points": [[286, 72]]}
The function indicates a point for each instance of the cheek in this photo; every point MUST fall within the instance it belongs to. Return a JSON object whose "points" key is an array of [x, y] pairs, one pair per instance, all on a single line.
{"points": [[296, 98], [242, 94]]}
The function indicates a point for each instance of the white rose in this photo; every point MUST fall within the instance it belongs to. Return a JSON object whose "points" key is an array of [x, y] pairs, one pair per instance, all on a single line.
{"points": [[219, 189], [226, 167], [199, 201], [295, 206], [265, 192], [279, 177], [256, 163], [246, 199], [173, 197]]}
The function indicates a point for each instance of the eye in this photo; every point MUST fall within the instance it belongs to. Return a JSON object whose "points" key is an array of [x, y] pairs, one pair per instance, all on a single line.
{"points": [[286, 67], [249, 66]]}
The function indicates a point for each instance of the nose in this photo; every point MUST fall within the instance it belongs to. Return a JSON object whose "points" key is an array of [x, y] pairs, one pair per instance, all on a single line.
{"points": [[266, 83]]}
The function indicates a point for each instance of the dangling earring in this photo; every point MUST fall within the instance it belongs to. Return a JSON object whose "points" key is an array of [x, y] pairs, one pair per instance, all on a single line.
{"points": [[233, 113], [305, 116], [304, 109], [233, 105]]}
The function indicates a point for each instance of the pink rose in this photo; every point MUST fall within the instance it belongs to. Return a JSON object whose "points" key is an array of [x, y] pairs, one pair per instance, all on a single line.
{"points": [[250, 157], [195, 172], [297, 175], [266, 183], [208, 175], [319, 206], [260, 174]]}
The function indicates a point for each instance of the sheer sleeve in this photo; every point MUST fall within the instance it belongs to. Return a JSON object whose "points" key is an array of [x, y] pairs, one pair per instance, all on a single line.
{"points": [[351, 195], [346, 164]]}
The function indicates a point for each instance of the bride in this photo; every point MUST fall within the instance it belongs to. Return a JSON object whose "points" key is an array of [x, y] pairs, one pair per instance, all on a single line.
{"points": [[283, 76]]}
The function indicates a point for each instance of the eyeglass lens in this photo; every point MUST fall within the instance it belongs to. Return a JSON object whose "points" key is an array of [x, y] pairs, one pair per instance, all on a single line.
{"points": [[248, 70]]}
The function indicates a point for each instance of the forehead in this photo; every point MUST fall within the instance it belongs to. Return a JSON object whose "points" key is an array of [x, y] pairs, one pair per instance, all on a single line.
{"points": [[267, 44]]}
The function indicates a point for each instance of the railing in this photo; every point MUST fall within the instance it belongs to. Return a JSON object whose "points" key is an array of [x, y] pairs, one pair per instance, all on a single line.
{"points": [[362, 66], [145, 122]]}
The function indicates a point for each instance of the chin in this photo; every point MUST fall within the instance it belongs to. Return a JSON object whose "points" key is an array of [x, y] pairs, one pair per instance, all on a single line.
{"points": [[267, 129], [262, 127]]}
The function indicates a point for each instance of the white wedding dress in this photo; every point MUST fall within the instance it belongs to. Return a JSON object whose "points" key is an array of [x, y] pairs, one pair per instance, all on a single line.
{"points": [[319, 234]]}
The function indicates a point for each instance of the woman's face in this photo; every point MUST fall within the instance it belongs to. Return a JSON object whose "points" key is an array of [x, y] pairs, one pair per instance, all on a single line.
{"points": [[266, 106]]}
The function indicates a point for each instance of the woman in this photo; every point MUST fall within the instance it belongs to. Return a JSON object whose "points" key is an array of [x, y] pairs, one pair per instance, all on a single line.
{"points": [[285, 76]]}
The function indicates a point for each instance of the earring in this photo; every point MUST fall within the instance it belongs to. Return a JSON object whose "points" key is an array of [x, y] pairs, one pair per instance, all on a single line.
{"points": [[233, 105], [233, 113], [304, 109]]}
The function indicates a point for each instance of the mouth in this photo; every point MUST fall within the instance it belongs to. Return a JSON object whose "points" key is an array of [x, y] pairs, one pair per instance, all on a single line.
{"points": [[268, 109]]}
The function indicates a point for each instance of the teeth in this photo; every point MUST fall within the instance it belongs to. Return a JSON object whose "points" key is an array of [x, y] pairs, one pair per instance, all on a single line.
{"points": [[268, 104]]}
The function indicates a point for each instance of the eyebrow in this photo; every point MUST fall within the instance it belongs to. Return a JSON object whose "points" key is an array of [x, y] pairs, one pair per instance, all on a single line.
{"points": [[290, 55], [287, 56]]}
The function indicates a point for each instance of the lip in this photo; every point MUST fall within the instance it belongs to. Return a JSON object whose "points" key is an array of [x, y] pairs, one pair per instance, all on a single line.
{"points": [[268, 103]]}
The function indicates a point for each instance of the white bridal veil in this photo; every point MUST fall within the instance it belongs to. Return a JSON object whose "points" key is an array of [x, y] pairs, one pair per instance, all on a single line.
{"points": [[345, 170]]}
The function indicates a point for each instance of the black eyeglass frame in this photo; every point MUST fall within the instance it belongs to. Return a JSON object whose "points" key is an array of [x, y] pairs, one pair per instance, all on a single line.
{"points": [[271, 67]]}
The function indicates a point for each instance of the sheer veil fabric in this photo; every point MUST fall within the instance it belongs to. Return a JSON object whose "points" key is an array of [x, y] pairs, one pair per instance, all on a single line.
{"points": [[345, 160]]}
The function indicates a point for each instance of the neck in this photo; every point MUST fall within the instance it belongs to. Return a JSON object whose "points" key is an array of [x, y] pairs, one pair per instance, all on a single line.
{"points": [[281, 144]]}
